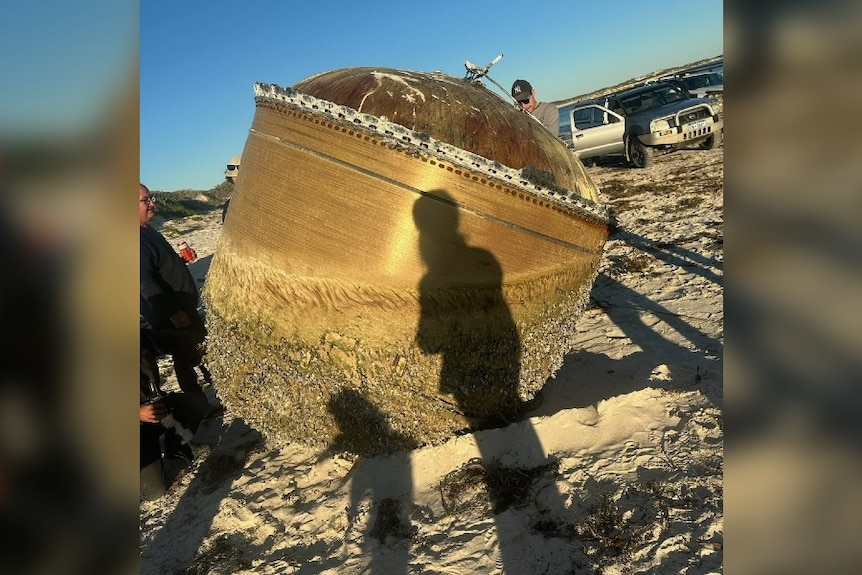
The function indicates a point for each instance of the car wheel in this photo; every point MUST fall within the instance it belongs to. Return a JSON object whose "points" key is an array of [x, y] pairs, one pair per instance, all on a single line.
{"points": [[641, 156], [711, 142]]}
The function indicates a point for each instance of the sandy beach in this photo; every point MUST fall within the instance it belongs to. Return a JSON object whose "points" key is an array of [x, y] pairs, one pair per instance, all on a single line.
{"points": [[617, 470]]}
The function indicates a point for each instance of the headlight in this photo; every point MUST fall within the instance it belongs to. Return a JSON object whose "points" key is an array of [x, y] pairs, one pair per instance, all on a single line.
{"points": [[716, 109], [659, 125]]}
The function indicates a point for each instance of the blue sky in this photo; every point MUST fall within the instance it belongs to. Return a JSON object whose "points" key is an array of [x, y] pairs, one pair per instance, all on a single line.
{"points": [[200, 59]]}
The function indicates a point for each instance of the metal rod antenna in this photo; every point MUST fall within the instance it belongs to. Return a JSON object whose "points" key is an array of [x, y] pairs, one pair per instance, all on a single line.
{"points": [[474, 73], [504, 90]]}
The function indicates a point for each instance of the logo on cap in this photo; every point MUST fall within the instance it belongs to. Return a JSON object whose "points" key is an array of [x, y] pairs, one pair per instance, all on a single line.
{"points": [[520, 88]]}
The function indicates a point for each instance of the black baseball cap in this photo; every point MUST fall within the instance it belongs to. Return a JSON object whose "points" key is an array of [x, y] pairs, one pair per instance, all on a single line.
{"points": [[521, 90]]}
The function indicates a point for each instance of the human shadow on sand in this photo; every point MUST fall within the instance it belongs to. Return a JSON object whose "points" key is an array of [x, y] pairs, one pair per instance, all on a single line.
{"points": [[201, 500], [465, 319], [381, 488]]}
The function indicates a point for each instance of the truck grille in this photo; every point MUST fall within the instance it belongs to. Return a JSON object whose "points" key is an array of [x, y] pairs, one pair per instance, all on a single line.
{"points": [[693, 114], [697, 133]]}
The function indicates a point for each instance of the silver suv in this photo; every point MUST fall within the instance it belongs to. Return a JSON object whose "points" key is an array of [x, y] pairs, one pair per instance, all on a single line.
{"points": [[636, 122]]}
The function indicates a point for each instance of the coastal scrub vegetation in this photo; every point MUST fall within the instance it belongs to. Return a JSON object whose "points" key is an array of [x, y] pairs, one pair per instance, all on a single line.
{"points": [[182, 203]]}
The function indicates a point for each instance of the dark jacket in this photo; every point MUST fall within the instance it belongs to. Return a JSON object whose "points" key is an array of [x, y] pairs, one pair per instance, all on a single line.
{"points": [[167, 285]]}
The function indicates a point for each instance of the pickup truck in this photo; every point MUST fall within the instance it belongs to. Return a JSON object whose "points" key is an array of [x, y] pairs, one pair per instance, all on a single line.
{"points": [[703, 83], [635, 123]]}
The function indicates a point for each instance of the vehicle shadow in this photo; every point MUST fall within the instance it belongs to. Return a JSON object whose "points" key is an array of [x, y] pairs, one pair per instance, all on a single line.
{"points": [[622, 163]]}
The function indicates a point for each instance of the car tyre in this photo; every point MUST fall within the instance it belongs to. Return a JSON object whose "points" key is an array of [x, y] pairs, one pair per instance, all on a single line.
{"points": [[712, 142], [641, 156]]}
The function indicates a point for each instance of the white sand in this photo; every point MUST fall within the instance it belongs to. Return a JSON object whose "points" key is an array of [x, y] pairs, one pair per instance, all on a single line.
{"points": [[633, 418]]}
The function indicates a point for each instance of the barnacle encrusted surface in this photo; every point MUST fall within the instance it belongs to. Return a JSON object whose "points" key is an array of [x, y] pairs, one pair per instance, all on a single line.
{"points": [[376, 264], [284, 386]]}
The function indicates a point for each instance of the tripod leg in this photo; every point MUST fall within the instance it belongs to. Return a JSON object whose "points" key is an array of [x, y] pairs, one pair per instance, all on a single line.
{"points": [[206, 373]]}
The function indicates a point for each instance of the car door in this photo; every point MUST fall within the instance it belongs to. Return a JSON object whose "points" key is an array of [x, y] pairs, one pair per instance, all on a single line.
{"points": [[596, 131]]}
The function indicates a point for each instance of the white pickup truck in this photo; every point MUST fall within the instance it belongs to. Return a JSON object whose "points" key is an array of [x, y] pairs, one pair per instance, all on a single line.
{"points": [[635, 123]]}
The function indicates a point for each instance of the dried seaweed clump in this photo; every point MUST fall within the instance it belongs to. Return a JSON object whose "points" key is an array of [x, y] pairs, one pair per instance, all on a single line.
{"points": [[223, 555], [477, 485], [388, 522]]}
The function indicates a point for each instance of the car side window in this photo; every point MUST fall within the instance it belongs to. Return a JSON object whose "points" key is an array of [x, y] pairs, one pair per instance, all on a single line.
{"points": [[592, 117], [584, 118]]}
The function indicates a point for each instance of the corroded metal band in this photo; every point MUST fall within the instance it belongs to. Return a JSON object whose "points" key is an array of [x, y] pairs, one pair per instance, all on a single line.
{"points": [[425, 144]]}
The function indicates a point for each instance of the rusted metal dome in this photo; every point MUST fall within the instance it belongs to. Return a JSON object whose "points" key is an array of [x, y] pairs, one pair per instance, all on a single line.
{"points": [[461, 113]]}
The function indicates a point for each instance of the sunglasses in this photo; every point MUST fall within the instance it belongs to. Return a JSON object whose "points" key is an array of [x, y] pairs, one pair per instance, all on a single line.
{"points": [[231, 167], [524, 102], [148, 200]]}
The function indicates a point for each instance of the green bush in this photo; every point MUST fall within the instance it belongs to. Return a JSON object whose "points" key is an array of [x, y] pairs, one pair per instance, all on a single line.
{"points": [[183, 203]]}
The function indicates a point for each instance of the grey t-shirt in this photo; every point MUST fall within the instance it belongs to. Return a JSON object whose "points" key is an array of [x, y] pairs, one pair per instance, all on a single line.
{"points": [[549, 116]]}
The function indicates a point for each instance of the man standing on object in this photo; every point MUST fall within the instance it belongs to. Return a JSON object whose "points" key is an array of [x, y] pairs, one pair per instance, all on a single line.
{"points": [[546, 113], [230, 174], [169, 301]]}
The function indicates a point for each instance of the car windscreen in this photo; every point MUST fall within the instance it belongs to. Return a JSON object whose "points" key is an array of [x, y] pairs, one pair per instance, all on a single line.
{"points": [[702, 81], [645, 100]]}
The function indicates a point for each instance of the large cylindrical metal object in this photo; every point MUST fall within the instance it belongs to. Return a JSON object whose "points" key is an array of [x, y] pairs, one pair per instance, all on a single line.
{"points": [[405, 238]]}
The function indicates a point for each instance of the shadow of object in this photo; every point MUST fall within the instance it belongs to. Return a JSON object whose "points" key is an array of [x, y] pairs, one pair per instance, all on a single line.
{"points": [[588, 377], [673, 254], [364, 428]]}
